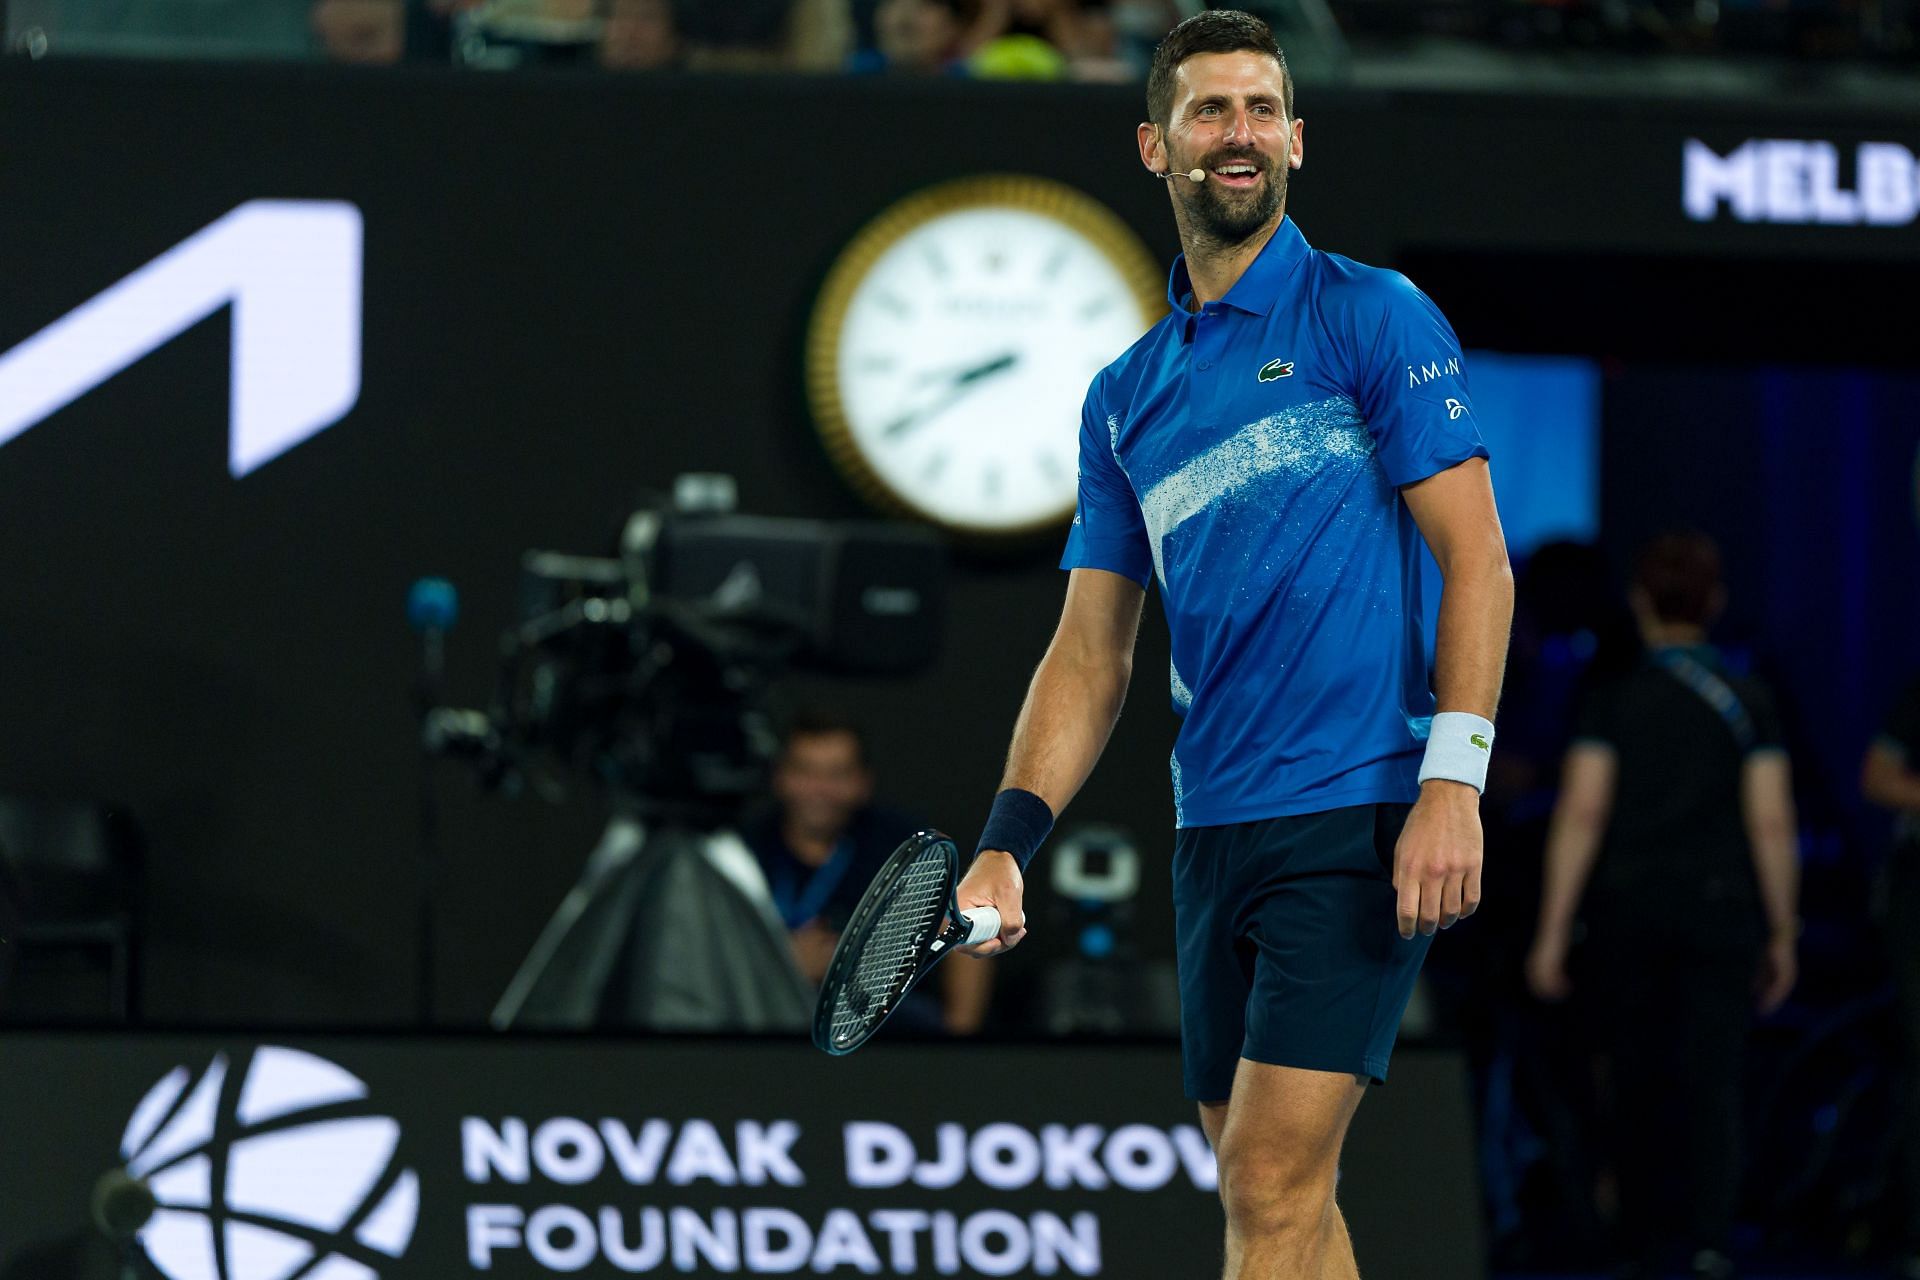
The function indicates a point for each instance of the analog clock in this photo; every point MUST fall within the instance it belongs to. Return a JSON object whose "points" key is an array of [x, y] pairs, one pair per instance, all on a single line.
{"points": [[953, 342]]}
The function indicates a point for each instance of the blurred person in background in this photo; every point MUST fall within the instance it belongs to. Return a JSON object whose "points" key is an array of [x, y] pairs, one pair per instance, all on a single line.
{"points": [[819, 36], [1047, 40], [821, 842], [765, 35], [639, 35], [367, 32], [916, 37], [385, 32], [1673, 839], [509, 35], [737, 36], [1890, 778]]}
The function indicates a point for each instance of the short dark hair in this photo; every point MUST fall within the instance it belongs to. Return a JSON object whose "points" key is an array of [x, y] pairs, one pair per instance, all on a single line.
{"points": [[1680, 573], [1211, 31], [813, 722]]}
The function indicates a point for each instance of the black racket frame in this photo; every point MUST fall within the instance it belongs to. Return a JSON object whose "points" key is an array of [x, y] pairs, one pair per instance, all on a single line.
{"points": [[874, 902]]}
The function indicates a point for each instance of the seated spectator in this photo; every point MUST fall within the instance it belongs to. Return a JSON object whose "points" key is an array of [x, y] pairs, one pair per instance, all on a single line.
{"points": [[640, 35], [819, 35], [368, 32], [820, 844], [507, 35], [1048, 40], [1017, 55], [916, 37], [766, 35]]}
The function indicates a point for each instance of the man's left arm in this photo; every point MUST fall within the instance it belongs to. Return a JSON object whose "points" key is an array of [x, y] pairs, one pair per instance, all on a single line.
{"points": [[1437, 861]]}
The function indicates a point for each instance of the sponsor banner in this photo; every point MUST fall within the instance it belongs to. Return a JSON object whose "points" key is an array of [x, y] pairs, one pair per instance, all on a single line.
{"points": [[357, 1158], [1802, 182]]}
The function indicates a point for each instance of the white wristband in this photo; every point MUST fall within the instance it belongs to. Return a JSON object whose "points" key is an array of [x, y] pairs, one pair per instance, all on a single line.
{"points": [[1458, 747]]}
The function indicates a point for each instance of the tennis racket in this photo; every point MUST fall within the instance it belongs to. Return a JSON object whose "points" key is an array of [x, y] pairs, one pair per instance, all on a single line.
{"points": [[907, 921]]}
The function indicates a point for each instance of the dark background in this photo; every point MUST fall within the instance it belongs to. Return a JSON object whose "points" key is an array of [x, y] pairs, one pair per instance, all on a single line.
{"points": [[577, 288]]}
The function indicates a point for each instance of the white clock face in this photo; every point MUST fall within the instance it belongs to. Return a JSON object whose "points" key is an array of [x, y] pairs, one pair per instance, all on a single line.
{"points": [[964, 357]]}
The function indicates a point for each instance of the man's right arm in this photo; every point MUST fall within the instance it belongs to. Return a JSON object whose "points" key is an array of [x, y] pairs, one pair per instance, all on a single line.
{"points": [[1070, 710]]}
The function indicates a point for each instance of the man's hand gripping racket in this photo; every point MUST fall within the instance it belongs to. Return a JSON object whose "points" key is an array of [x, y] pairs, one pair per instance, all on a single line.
{"points": [[994, 883], [913, 914]]}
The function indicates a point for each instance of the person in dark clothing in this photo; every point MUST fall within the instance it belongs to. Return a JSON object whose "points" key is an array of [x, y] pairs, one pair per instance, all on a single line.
{"points": [[822, 840], [1890, 777], [1674, 839]]}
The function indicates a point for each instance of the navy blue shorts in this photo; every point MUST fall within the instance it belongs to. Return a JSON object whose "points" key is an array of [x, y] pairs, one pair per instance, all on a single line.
{"points": [[1290, 952]]}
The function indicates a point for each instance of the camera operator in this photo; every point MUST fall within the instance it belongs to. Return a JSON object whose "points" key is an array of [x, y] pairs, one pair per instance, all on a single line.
{"points": [[822, 840]]}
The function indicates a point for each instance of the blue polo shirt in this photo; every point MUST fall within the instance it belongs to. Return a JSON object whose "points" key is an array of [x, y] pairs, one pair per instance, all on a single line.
{"points": [[1249, 457]]}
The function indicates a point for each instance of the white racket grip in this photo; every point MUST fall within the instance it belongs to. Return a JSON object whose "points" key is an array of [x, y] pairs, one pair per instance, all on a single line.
{"points": [[983, 923]]}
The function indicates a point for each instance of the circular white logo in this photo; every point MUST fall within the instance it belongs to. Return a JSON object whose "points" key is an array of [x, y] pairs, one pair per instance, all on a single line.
{"points": [[267, 1168]]}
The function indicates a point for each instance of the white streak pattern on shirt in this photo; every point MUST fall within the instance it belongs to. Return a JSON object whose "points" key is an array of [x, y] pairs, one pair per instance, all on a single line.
{"points": [[1300, 439], [1182, 696], [1179, 791]]}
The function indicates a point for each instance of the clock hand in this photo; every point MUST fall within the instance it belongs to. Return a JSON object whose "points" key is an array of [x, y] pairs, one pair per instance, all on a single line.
{"points": [[981, 370], [955, 391]]}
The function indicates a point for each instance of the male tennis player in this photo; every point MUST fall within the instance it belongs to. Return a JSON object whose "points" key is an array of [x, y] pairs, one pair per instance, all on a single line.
{"points": [[1272, 453]]}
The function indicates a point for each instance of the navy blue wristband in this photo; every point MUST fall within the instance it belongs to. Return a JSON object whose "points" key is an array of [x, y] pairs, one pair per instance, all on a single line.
{"points": [[1018, 823]]}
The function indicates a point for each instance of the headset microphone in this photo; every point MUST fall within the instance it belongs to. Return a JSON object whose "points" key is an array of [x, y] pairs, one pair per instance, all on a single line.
{"points": [[1192, 175]]}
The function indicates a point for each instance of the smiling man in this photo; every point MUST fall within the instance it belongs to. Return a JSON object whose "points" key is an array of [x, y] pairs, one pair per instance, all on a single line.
{"points": [[1273, 454]]}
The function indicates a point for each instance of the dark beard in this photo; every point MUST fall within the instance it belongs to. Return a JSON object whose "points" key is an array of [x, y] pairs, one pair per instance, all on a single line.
{"points": [[1228, 218]]}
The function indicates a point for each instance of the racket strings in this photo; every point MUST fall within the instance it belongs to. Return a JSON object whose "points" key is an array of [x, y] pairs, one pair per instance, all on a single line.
{"points": [[891, 952]]}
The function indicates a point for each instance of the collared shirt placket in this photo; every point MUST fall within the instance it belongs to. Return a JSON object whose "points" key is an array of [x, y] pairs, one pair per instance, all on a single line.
{"points": [[1210, 341]]}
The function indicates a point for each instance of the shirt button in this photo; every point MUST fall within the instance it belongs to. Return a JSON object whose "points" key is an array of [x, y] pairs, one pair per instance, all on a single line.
{"points": [[1206, 364]]}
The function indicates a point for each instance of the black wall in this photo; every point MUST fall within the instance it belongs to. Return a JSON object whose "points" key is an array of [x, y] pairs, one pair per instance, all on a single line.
{"points": [[575, 289]]}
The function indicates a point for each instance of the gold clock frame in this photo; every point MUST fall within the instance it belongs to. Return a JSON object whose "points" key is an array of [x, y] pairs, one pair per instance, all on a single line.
{"points": [[1078, 211]]}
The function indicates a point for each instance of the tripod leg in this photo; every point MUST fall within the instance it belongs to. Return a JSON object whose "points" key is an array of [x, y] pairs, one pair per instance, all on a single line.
{"points": [[619, 845]]}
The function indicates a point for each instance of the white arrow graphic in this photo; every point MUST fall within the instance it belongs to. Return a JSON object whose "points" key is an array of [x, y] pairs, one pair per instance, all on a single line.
{"points": [[291, 269]]}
